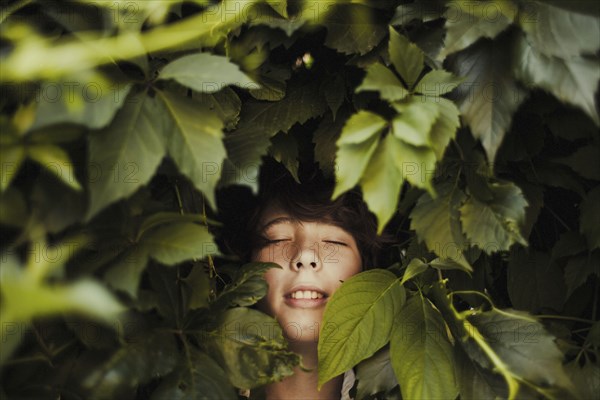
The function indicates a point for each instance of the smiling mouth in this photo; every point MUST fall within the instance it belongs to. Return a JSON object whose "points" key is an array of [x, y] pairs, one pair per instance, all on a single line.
{"points": [[306, 294], [306, 298]]}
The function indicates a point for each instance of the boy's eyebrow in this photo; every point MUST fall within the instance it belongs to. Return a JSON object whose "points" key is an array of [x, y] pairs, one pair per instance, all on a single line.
{"points": [[274, 221]]}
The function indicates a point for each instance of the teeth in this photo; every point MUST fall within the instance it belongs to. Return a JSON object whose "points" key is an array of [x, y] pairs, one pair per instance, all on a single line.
{"points": [[306, 294]]}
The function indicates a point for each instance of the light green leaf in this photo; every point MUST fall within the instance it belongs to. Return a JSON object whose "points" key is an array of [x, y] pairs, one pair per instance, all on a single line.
{"points": [[259, 121], [200, 377], [381, 79], [452, 263], [490, 96], [437, 82], [579, 268], [174, 243], [90, 100], [416, 163], [589, 219], [415, 267], [534, 282], [560, 33], [382, 181], [351, 28], [421, 353], [247, 288], [149, 356], [360, 127], [12, 156], [125, 155], [573, 80], [280, 6], [406, 57], [251, 348], [55, 160], [284, 148], [445, 126], [467, 22], [357, 321], [375, 375], [351, 161], [206, 72], [495, 225], [417, 116], [193, 136]]}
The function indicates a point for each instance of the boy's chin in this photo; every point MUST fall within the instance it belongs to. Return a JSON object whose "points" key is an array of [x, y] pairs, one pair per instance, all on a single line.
{"points": [[304, 330]]}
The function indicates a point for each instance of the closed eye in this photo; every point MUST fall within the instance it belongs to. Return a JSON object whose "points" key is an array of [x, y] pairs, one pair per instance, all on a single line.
{"points": [[335, 242]]}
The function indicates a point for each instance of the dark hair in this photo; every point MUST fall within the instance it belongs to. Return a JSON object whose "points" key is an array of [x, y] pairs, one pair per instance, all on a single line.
{"points": [[309, 200]]}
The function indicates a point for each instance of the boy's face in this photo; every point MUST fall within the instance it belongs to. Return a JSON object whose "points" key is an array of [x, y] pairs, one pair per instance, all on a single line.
{"points": [[315, 258]]}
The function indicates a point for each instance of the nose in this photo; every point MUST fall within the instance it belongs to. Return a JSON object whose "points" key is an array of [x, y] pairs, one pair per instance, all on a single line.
{"points": [[306, 257]]}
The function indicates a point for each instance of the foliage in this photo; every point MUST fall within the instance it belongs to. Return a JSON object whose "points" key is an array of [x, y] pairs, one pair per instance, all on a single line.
{"points": [[470, 127]]}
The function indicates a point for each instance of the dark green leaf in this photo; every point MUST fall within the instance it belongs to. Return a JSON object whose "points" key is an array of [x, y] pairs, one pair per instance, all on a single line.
{"points": [[358, 321], [534, 282], [495, 225], [584, 161], [474, 382], [251, 348], [375, 375], [589, 219], [206, 72], [147, 357], [324, 139], [489, 100], [579, 268], [199, 378], [225, 103], [247, 287], [573, 80], [335, 93], [421, 353], [126, 272], [352, 28], [198, 287], [284, 148], [586, 379], [125, 155]]}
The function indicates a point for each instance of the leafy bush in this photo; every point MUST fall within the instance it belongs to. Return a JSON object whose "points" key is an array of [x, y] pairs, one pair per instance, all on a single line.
{"points": [[471, 128]]}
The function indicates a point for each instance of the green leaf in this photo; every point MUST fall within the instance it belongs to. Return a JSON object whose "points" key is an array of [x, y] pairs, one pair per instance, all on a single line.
{"points": [[584, 161], [200, 377], [55, 160], [417, 116], [225, 103], [357, 321], [474, 382], [259, 121], [247, 288], [523, 344], [382, 180], [251, 348], [421, 353], [324, 139], [586, 379], [579, 268], [416, 163], [13, 209], [491, 97], [358, 141], [415, 267], [406, 57], [573, 80], [351, 28], [375, 375], [534, 282], [280, 6], [147, 357], [125, 155], [126, 272], [568, 244], [452, 263], [381, 79], [198, 287], [589, 219], [174, 243], [560, 33], [89, 100], [495, 225], [445, 126], [335, 93], [206, 72], [467, 22], [438, 82], [193, 136], [12, 156], [284, 148]]}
